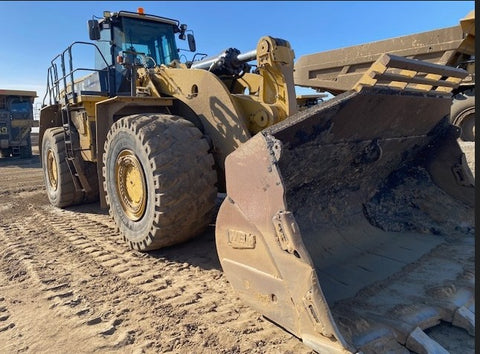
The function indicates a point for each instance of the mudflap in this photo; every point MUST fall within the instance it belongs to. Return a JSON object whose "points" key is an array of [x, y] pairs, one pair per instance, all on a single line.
{"points": [[351, 224]]}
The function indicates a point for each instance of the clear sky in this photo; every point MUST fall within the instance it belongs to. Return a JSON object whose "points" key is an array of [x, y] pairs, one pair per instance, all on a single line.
{"points": [[34, 32]]}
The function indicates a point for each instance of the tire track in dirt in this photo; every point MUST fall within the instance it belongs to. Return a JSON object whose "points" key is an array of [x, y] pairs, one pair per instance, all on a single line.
{"points": [[95, 236], [5, 322], [58, 286], [166, 288]]}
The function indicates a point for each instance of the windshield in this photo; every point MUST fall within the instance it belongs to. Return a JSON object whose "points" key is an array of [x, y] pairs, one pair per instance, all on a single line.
{"points": [[19, 106], [154, 39]]}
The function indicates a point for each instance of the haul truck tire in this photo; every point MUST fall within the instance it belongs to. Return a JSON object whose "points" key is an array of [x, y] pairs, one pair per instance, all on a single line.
{"points": [[462, 113], [159, 180], [58, 180]]}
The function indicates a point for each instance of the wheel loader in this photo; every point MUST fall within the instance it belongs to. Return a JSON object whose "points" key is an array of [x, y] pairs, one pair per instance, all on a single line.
{"points": [[338, 70], [349, 224]]}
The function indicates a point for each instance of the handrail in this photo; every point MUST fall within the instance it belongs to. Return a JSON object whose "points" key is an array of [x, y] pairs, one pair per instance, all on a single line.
{"points": [[67, 78]]}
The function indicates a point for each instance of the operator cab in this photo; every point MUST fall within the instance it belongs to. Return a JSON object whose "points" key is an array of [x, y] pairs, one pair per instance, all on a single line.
{"points": [[127, 40]]}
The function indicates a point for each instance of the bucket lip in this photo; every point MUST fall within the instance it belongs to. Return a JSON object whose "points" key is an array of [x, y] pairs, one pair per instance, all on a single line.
{"points": [[337, 102]]}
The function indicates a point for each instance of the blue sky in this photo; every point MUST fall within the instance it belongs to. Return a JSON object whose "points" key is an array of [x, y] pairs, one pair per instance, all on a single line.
{"points": [[34, 32]]}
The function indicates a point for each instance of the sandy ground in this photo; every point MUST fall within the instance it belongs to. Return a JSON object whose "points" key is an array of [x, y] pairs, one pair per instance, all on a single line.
{"points": [[469, 151], [68, 283]]}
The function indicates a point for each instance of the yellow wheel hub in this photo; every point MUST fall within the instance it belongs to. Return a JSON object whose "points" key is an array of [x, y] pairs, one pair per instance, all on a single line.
{"points": [[52, 170], [130, 182]]}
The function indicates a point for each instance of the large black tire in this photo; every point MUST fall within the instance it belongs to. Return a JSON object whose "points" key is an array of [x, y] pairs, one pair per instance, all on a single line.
{"points": [[462, 113], [58, 180], [159, 180]]}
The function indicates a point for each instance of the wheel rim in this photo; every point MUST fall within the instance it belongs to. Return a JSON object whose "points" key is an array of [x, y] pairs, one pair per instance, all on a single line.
{"points": [[130, 182], [52, 170]]}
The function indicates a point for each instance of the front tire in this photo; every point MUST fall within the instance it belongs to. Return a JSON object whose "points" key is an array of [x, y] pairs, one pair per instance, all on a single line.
{"points": [[58, 180], [159, 180]]}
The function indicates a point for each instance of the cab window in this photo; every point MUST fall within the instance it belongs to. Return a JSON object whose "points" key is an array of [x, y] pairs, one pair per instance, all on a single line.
{"points": [[20, 106], [153, 39]]}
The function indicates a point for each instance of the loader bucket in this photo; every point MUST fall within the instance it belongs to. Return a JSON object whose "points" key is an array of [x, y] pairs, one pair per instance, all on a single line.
{"points": [[351, 224]]}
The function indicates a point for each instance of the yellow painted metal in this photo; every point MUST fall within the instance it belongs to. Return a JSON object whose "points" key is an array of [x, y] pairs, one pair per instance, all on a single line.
{"points": [[83, 117], [409, 74], [468, 23], [230, 119], [52, 170], [271, 93], [24, 123], [210, 99], [89, 102], [130, 184], [468, 27], [275, 65]]}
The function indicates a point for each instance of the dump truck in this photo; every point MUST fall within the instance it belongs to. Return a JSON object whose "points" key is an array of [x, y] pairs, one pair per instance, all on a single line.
{"points": [[16, 122], [337, 71], [349, 223]]}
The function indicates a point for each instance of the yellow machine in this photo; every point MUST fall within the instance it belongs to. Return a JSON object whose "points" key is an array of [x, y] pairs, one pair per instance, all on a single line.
{"points": [[316, 219]]}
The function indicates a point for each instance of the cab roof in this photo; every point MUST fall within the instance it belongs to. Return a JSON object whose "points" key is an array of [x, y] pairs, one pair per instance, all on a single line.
{"points": [[7, 92]]}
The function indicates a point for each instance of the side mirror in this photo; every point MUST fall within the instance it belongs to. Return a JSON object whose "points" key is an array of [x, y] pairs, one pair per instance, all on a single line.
{"points": [[93, 30], [191, 42]]}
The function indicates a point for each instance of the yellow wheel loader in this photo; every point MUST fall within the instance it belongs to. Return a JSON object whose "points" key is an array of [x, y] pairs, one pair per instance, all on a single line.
{"points": [[350, 224]]}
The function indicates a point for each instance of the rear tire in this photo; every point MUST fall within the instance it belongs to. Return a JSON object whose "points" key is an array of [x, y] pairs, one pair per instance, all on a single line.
{"points": [[58, 180], [462, 113], [159, 180]]}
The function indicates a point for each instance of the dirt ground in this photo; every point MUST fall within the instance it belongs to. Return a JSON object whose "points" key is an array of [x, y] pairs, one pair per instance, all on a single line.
{"points": [[68, 283]]}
